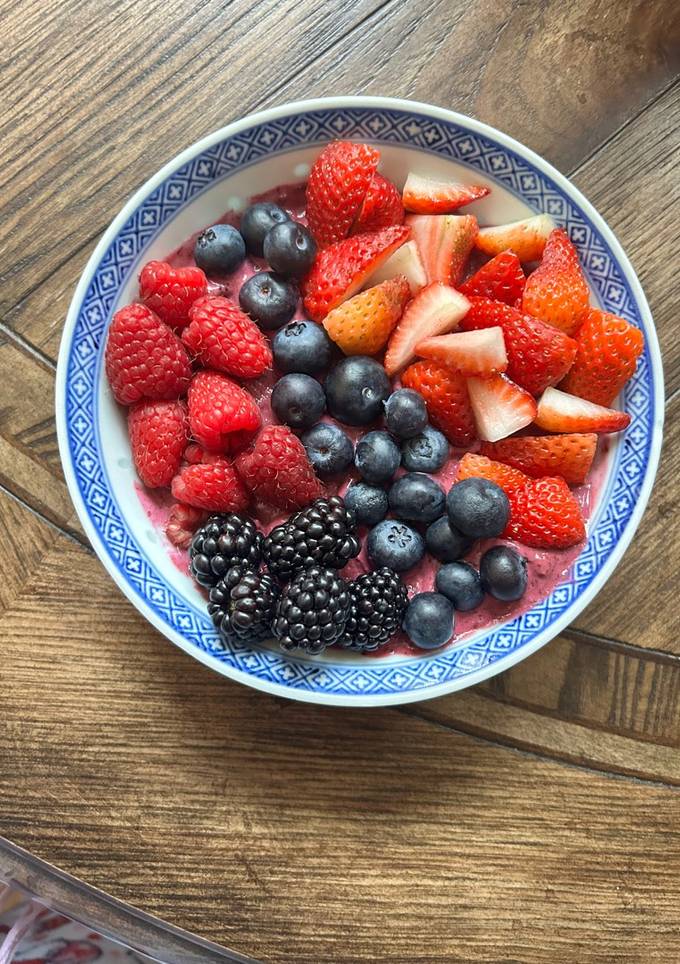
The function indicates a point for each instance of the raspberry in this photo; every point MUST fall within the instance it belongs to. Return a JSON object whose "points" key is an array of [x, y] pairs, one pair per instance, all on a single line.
{"points": [[182, 524], [158, 435], [224, 338], [212, 484], [218, 409], [277, 470], [171, 292]]}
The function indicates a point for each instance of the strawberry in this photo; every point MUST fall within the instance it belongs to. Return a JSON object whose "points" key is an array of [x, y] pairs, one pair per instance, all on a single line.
{"points": [[340, 270], [362, 325], [538, 355], [560, 412], [276, 470], [526, 238], [545, 515], [570, 456], [501, 279], [182, 524], [381, 207], [405, 261], [479, 352], [435, 309], [446, 397], [556, 292], [144, 358], [426, 195], [606, 356], [223, 337], [444, 242], [478, 466], [170, 292], [158, 436], [500, 407], [212, 484], [338, 183], [218, 408]]}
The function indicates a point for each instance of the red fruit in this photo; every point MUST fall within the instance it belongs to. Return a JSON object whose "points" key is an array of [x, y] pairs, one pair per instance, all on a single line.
{"points": [[223, 337], [606, 356], [501, 279], [468, 352], [212, 484], [560, 412], [425, 195], [556, 292], [338, 183], [362, 325], [381, 208], [182, 524], [545, 515], [144, 358], [526, 238], [158, 436], [446, 396], [435, 309], [219, 408], [171, 292], [277, 471], [444, 242], [405, 261], [500, 407], [342, 269], [538, 355], [570, 456], [473, 466]]}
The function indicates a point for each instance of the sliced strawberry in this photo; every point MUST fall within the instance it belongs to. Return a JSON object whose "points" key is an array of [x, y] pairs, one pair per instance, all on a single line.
{"points": [[545, 515], [556, 292], [426, 195], [340, 270], [526, 238], [570, 456], [607, 353], [446, 396], [444, 242], [338, 183], [501, 279], [362, 325], [381, 208], [560, 412], [479, 352], [436, 309], [473, 466], [405, 261], [500, 407]]}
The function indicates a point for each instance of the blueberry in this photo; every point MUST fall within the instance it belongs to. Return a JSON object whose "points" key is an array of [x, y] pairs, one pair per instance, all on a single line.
{"points": [[356, 389], [298, 400], [416, 497], [302, 346], [426, 452], [329, 449], [394, 544], [445, 542], [504, 573], [405, 413], [289, 249], [367, 502], [377, 457], [429, 620], [478, 508], [256, 221], [219, 250], [460, 582], [269, 299]]}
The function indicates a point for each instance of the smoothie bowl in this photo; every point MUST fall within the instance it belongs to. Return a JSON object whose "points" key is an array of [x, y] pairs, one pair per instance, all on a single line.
{"points": [[433, 300]]}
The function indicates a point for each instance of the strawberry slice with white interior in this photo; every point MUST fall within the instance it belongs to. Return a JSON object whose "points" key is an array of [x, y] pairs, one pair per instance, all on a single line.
{"points": [[427, 195], [434, 310], [444, 243], [480, 352], [560, 412], [405, 261], [500, 407], [526, 238]]}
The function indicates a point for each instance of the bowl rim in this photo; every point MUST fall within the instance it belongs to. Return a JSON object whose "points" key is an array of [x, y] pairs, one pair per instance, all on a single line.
{"points": [[485, 130]]}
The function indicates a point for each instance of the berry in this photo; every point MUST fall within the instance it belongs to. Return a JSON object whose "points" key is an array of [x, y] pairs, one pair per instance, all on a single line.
{"points": [[405, 413], [312, 612], [158, 436], [242, 607], [503, 573], [302, 346], [218, 408], [277, 471], [212, 484], [425, 195], [329, 449], [222, 542], [257, 221], [501, 279], [445, 542], [480, 353], [557, 292], [394, 544], [429, 620], [381, 207], [607, 351], [405, 261], [500, 407], [570, 456], [478, 508], [338, 183], [416, 497], [461, 584], [298, 400], [323, 534], [561, 412], [289, 249], [219, 250], [182, 523], [269, 299], [434, 310], [377, 457], [544, 514], [426, 452], [446, 396], [526, 238], [473, 466], [368, 503], [444, 243], [362, 325], [144, 358], [224, 338], [170, 292], [355, 390], [378, 601]]}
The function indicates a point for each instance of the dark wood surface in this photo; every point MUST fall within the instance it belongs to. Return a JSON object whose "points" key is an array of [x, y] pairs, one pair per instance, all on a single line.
{"points": [[534, 818]]}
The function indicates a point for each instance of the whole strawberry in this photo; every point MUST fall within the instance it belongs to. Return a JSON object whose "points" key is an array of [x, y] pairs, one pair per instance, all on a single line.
{"points": [[606, 356], [338, 183], [362, 325], [219, 409], [446, 396], [144, 358], [171, 292], [277, 471], [211, 484], [556, 292], [382, 207], [224, 338], [158, 436], [544, 514], [500, 279]]}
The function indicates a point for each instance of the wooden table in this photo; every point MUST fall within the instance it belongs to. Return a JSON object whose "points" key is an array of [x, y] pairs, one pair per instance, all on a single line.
{"points": [[535, 818]]}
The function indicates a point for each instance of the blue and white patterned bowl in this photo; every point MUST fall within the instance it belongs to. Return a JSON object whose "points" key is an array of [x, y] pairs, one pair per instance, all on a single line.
{"points": [[249, 157]]}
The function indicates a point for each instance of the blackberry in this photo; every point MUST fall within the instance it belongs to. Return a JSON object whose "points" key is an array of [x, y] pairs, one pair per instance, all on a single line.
{"points": [[321, 535], [378, 603], [312, 612], [242, 605], [224, 540]]}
